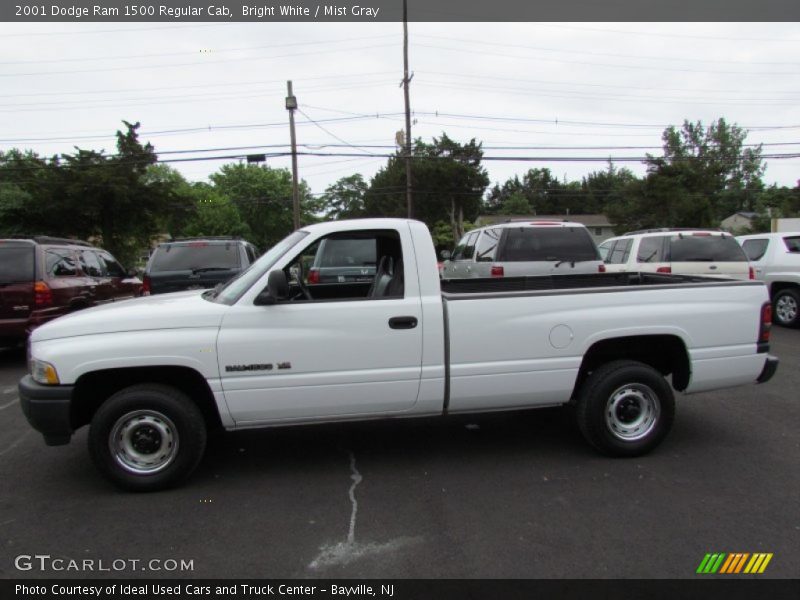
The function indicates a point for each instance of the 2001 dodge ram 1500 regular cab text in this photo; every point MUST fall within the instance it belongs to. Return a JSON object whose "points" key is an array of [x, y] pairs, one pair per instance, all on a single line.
{"points": [[152, 375]]}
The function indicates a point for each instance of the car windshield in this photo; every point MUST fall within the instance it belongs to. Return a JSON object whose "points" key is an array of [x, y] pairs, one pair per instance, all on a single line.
{"points": [[347, 253], [705, 248], [195, 255], [240, 284], [16, 263]]}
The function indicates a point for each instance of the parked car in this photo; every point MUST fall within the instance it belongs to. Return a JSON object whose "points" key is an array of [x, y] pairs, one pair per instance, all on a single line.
{"points": [[43, 277], [520, 248], [680, 251], [775, 258], [196, 263], [269, 351]]}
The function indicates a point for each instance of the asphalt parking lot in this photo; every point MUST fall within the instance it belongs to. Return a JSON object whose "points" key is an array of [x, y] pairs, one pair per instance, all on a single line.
{"points": [[503, 496]]}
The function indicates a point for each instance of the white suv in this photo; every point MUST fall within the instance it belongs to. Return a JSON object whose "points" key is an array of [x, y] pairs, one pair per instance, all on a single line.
{"points": [[524, 248], [679, 251], [776, 259]]}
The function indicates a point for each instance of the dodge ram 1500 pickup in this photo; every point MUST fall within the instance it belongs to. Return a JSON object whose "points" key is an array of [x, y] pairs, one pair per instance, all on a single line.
{"points": [[152, 375]]}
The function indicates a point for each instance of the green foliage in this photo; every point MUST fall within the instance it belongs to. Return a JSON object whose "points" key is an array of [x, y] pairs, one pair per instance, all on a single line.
{"points": [[345, 198], [214, 214], [448, 182], [442, 234], [263, 197]]}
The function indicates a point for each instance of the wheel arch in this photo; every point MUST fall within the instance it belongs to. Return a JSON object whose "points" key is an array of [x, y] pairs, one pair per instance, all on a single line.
{"points": [[666, 353], [95, 387]]}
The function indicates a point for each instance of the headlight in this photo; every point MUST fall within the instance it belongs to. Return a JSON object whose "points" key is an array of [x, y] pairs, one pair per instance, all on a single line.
{"points": [[43, 372]]}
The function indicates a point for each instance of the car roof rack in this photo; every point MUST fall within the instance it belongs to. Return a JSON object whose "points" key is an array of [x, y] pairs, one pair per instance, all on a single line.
{"points": [[49, 239], [669, 229]]}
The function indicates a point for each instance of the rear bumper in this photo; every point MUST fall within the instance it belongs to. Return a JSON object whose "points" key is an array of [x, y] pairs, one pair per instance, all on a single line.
{"points": [[47, 408], [769, 369], [14, 330]]}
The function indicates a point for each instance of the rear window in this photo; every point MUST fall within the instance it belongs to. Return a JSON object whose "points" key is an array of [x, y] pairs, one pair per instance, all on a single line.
{"points": [[547, 244], [16, 263], [195, 255], [705, 248], [344, 252]]}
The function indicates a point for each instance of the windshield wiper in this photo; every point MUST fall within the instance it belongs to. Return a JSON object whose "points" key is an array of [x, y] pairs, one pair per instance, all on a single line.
{"points": [[206, 269]]}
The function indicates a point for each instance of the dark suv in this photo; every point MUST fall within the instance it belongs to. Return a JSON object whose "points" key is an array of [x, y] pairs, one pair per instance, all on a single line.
{"points": [[196, 263], [42, 278]]}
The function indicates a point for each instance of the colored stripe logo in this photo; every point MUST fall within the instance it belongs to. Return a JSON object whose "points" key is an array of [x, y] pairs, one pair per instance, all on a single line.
{"points": [[733, 563]]}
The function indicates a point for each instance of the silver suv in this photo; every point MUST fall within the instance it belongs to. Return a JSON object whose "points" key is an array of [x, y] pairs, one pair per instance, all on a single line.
{"points": [[522, 248]]}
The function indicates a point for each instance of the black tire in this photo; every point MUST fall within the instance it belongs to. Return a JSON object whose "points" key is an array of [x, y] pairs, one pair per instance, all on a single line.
{"points": [[625, 408], [786, 307], [147, 437]]}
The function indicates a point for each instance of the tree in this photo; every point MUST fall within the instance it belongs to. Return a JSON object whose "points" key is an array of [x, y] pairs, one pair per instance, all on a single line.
{"points": [[263, 197], [712, 166], [345, 198], [214, 214], [447, 180]]}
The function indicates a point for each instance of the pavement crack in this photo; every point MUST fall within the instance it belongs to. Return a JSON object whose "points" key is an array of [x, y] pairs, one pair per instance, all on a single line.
{"points": [[357, 478], [16, 443]]}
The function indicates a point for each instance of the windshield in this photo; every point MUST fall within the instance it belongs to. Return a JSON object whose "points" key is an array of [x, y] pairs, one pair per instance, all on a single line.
{"points": [[240, 284]]}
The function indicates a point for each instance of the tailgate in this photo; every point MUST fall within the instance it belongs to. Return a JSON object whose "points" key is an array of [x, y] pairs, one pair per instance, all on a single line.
{"points": [[178, 281]]}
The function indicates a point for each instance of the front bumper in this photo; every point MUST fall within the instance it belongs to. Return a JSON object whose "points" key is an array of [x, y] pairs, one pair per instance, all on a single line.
{"points": [[47, 408], [769, 369]]}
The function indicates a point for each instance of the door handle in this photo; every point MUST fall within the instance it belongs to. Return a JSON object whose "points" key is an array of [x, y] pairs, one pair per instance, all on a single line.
{"points": [[403, 322]]}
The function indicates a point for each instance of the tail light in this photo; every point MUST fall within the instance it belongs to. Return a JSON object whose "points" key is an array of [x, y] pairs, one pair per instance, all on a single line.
{"points": [[664, 270], [42, 295], [601, 268], [498, 271], [752, 272], [146, 285], [313, 276], [766, 323]]}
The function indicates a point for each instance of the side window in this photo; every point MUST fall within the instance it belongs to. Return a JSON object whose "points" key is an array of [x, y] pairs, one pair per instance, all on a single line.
{"points": [[251, 253], [487, 245], [605, 250], [792, 244], [468, 249], [60, 263], [619, 255], [651, 250], [755, 249], [112, 267], [458, 251], [90, 264], [355, 265]]}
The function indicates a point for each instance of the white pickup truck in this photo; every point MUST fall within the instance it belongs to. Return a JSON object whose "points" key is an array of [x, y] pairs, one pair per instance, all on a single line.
{"points": [[152, 375]]}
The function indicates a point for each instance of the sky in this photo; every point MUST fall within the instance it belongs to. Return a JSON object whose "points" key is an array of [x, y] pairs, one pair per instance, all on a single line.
{"points": [[537, 90]]}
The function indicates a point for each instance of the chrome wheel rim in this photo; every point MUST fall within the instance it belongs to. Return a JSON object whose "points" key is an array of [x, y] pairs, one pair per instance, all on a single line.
{"points": [[786, 309], [632, 412], [143, 442]]}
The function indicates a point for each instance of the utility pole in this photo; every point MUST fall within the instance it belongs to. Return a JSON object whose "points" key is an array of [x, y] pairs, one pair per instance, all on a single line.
{"points": [[291, 105], [406, 81]]}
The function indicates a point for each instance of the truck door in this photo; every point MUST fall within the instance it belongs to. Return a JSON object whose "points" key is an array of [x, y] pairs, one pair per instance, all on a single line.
{"points": [[331, 349]]}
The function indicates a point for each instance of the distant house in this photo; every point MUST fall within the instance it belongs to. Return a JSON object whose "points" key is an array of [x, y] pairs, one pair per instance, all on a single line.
{"points": [[738, 222], [598, 225]]}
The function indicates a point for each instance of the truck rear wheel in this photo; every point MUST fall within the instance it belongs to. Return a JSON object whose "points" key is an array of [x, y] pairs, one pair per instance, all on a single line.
{"points": [[625, 408], [147, 437]]}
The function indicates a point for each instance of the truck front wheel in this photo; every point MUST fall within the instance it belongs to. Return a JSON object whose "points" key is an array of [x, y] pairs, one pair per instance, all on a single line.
{"points": [[625, 408], [147, 437]]}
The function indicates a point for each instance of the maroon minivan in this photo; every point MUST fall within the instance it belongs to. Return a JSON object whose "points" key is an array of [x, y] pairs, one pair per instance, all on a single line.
{"points": [[42, 278]]}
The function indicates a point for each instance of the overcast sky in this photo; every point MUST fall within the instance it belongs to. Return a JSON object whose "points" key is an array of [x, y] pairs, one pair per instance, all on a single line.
{"points": [[538, 85]]}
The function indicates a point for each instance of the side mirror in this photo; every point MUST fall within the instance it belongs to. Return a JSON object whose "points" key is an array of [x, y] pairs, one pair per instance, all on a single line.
{"points": [[277, 288], [445, 254]]}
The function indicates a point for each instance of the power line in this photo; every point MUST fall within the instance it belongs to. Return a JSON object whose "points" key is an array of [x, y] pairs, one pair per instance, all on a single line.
{"points": [[333, 135]]}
